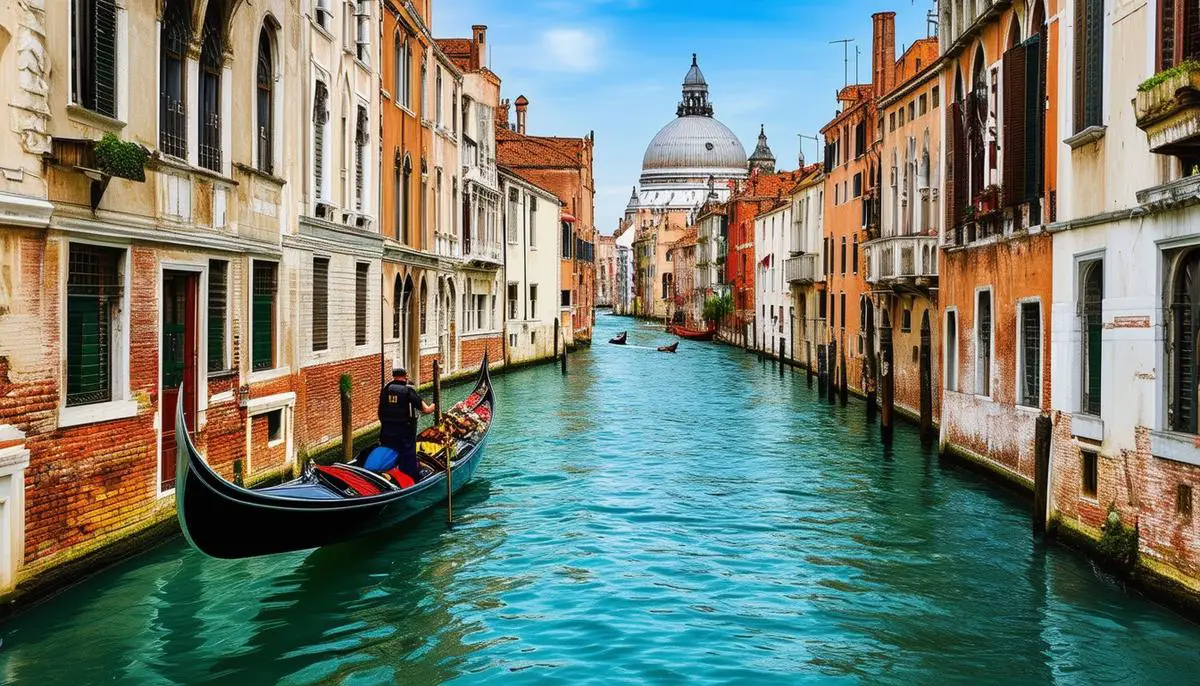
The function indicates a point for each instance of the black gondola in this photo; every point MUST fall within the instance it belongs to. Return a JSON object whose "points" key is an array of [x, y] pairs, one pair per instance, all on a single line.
{"points": [[323, 506], [619, 339], [668, 348]]}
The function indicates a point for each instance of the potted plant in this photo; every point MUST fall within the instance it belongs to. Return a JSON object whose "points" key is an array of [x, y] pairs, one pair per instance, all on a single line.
{"points": [[988, 199], [122, 159]]}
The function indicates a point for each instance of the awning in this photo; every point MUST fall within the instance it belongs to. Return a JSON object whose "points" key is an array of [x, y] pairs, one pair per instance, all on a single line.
{"points": [[568, 218]]}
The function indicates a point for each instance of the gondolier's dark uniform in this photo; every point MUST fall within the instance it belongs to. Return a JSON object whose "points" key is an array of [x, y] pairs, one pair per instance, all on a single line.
{"points": [[399, 407]]}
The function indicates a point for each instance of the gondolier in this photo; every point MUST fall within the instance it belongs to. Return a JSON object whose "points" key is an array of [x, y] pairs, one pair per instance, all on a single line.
{"points": [[399, 408]]}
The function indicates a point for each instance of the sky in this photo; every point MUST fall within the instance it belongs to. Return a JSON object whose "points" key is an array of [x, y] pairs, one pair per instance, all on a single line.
{"points": [[616, 67]]}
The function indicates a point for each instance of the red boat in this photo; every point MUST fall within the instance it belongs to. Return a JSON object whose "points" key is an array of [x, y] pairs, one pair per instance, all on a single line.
{"points": [[693, 334]]}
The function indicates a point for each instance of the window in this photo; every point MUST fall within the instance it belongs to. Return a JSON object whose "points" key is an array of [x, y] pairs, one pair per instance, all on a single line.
{"points": [[399, 69], [858, 185], [424, 90], [265, 103], [512, 301], [906, 320], [274, 426], [512, 340], [437, 96], [1089, 60], [1031, 354], [360, 155], [94, 55], [262, 339], [1092, 327], [514, 210], [860, 139], [362, 16], [832, 310], [176, 33], [532, 221], [533, 301], [1183, 501], [361, 272], [218, 313], [567, 239], [324, 16], [404, 179], [1182, 343], [566, 298], [320, 125], [95, 290], [454, 110], [422, 304], [400, 297], [922, 106], [1089, 476], [891, 122], [842, 307], [935, 96], [854, 255], [912, 110], [320, 304], [901, 118], [951, 374], [983, 343], [212, 51], [843, 255], [1178, 33]]}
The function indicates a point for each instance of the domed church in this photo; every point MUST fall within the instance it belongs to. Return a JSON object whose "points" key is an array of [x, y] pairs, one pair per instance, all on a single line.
{"points": [[691, 156]]}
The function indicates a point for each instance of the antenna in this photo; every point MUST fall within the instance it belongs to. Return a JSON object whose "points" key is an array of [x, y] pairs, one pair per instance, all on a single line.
{"points": [[857, 52], [846, 59], [803, 137], [931, 21]]}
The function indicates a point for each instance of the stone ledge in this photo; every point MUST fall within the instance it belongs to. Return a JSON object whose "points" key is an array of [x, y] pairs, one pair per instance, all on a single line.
{"points": [[1091, 134], [1176, 447], [1087, 427]]}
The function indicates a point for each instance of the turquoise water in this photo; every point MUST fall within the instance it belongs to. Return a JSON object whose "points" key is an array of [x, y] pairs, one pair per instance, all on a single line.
{"points": [[648, 519]]}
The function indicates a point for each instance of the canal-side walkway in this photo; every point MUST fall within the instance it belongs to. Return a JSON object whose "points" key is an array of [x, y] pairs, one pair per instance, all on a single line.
{"points": [[648, 518]]}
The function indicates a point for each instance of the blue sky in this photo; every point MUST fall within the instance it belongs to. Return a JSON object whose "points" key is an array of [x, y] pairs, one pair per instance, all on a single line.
{"points": [[616, 67]]}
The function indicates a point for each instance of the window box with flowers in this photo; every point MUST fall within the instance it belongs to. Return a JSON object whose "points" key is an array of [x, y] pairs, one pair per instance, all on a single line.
{"points": [[987, 200], [1167, 107]]}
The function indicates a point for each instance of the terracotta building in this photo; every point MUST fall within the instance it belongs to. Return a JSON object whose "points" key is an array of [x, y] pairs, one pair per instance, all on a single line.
{"points": [[686, 300], [995, 281], [564, 167], [902, 257], [214, 242]]}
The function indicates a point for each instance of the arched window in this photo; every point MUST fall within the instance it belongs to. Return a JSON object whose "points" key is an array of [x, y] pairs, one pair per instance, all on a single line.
{"points": [[404, 178], [176, 33], [423, 304], [212, 50], [320, 129], [399, 77], [1182, 342], [1092, 328], [265, 102]]}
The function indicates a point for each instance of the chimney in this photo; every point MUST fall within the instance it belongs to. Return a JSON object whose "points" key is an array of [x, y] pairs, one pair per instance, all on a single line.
{"points": [[883, 53], [522, 109], [478, 46], [502, 113]]}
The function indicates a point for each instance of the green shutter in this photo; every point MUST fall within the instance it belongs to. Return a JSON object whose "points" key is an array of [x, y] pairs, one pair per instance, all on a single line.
{"points": [[263, 316], [217, 295]]}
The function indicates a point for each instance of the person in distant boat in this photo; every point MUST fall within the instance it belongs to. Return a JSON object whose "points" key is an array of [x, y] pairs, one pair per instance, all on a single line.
{"points": [[399, 408]]}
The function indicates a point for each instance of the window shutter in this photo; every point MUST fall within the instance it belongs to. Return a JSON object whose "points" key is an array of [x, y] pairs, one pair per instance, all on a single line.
{"points": [[956, 181], [1093, 86], [1166, 34], [217, 298], [320, 304], [1013, 179], [360, 303], [1081, 62], [1035, 92], [263, 313], [94, 291], [104, 57], [320, 116]]}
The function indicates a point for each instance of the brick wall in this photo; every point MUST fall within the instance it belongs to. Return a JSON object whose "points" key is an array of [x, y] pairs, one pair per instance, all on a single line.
{"points": [[318, 399], [474, 348]]}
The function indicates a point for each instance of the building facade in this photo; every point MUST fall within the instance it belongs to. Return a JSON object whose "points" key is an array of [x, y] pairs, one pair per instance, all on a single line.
{"points": [[804, 267], [531, 234], [776, 313]]}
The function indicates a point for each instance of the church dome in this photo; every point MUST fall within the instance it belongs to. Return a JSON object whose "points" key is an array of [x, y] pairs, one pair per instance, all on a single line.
{"points": [[695, 142]]}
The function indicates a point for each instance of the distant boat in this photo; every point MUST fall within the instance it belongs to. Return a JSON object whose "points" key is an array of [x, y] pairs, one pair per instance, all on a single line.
{"points": [[325, 505], [619, 339], [693, 334], [668, 348]]}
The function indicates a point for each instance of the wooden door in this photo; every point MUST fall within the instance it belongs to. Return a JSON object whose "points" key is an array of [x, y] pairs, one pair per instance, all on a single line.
{"points": [[178, 359]]}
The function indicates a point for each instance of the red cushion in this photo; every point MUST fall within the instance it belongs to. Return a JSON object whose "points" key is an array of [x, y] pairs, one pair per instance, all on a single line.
{"points": [[402, 480], [348, 477]]}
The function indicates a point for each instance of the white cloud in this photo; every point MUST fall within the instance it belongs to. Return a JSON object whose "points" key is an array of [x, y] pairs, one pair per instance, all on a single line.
{"points": [[566, 49]]}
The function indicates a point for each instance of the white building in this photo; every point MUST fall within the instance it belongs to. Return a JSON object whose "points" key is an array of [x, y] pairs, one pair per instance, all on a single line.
{"points": [[1126, 253], [776, 315], [623, 288], [803, 267], [531, 232]]}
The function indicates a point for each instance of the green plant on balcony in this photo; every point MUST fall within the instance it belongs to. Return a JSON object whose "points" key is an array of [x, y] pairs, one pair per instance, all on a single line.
{"points": [[1185, 67], [119, 158], [969, 213], [988, 199], [1167, 93]]}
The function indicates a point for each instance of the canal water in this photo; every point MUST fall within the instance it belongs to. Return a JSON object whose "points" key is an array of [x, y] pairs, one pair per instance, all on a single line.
{"points": [[648, 519]]}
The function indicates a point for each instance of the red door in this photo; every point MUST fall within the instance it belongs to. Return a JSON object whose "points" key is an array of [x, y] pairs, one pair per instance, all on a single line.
{"points": [[178, 362]]}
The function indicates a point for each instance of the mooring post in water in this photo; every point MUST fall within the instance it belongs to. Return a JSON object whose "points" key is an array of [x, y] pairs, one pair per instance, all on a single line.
{"points": [[833, 372], [564, 354], [871, 378], [821, 371], [556, 334], [344, 390], [926, 381], [845, 376], [781, 356], [886, 377], [1041, 474], [808, 361], [437, 391]]}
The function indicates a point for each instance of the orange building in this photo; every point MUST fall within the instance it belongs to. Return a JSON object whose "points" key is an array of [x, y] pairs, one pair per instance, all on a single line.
{"points": [[408, 262], [564, 167], [851, 210], [902, 256], [999, 192]]}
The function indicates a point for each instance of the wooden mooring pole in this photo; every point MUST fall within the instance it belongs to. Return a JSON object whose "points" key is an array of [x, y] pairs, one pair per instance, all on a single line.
{"points": [[808, 362], [833, 372], [845, 377], [1041, 474], [886, 377], [782, 356], [556, 334]]}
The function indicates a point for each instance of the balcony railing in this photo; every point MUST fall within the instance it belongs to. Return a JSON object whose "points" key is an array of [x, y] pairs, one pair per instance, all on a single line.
{"points": [[902, 261], [801, 269], [477, 250]]}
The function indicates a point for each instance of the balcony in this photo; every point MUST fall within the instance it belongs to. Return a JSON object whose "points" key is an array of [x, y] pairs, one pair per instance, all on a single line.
{"points": [[1167, 108], [483, 252], [801, 270], [902, 263]]}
